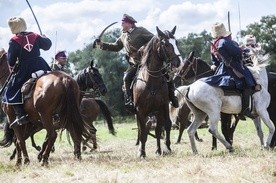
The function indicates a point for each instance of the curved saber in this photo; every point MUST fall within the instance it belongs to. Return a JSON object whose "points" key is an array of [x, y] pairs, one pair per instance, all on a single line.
{"points": [[34, 17], [100, 36]]}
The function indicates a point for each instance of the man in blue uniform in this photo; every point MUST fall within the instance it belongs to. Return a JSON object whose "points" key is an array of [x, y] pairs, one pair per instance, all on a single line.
{"points": [[24, 49], [226, 56]]}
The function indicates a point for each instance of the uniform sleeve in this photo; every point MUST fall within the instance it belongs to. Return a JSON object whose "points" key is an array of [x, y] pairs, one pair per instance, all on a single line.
{"points": [[12, 53], [116, 46], [44, 43]]}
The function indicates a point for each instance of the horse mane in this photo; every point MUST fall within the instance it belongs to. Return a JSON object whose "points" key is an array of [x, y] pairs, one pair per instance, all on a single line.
{"points": [[203, 62], [80, 76], [148, 49], [259, 62]]}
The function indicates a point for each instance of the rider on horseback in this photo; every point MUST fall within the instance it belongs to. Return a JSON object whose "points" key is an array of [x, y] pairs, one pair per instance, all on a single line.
{"points": [[60, 61], [231, 73], [133, 39], [24, 48]]}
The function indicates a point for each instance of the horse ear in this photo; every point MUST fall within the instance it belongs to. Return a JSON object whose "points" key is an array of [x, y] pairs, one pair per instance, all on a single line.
{"points": [[92, 63], [173, 30], [191, 55], [160, 33]]}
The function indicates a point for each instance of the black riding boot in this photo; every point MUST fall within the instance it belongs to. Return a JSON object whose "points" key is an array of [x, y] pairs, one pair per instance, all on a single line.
{"points": [[246, 94], [172, 97], [21, 117], [128, 98]]}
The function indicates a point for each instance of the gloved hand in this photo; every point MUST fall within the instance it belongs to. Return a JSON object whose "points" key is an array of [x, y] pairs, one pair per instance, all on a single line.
{"points": [[213, 67], [98, 42]]}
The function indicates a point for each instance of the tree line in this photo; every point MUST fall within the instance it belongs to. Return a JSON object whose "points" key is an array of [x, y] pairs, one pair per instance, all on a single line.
{"points": [[112, 65]]}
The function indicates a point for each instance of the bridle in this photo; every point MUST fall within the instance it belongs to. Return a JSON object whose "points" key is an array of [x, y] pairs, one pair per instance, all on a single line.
{"points": [[162, 54], [193, 66]]}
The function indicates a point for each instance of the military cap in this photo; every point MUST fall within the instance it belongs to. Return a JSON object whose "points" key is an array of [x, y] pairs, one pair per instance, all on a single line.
{"points": [[60, 54], [129, 19]]}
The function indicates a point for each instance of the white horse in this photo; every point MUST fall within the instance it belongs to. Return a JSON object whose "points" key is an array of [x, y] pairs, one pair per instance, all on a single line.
{"points": [[204, 99]]}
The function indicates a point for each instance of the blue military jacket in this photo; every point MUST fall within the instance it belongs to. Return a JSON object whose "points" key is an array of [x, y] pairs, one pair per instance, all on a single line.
{"points": [[24, 47], [229, 61]]}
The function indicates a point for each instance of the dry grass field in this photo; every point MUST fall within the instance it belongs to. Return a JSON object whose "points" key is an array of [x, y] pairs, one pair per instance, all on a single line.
{"points": [[116, 160]]}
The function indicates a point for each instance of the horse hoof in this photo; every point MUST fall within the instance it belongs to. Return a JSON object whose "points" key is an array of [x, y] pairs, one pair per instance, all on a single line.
{"points": [[231, 150], [39, 157], [158, 152], [27, 161], [45, 163], [18, 163], [84, 148]]}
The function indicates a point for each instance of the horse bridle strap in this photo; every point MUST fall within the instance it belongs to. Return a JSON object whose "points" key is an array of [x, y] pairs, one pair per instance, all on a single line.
{"points": [[151, 73]]}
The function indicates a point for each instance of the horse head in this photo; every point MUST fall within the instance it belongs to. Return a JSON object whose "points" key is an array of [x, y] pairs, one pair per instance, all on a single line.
{"points": [[186, 71], [90, 78], [168, 47]]}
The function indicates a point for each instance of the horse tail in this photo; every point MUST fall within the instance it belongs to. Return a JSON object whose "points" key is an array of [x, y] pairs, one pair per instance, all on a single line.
{"points": [[107, 115], [71, 117], [8, 136]]}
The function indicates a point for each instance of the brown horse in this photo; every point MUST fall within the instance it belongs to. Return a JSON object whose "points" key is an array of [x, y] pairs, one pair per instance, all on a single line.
{"points": [[88, 78], [54, 93], [150, 91], [90, 110]]}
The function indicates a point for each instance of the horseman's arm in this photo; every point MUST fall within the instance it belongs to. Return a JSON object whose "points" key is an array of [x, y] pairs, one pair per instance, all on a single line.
{"points": [[44, 42], [116, 46], [13, 53]]}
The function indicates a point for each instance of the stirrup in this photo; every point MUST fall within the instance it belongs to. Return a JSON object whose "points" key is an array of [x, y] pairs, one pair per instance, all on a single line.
{"points": [[258, 87], [20, 121]]}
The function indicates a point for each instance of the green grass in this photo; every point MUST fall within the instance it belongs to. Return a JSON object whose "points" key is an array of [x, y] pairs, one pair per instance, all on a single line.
{"points": [[116, 159]]}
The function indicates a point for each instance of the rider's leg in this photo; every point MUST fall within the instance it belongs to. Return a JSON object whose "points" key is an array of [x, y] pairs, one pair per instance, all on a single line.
{"points": [[246, 94], [172, 97], [21, 117], [128, 78]]}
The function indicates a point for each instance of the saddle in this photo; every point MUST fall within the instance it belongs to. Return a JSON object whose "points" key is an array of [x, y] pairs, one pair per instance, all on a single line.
{"points": [[28, 87]]}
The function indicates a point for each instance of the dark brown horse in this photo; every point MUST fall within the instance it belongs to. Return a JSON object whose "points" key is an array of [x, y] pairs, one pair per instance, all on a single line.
{"points": [[150, 91], [90, 110], [197, 69], [54, 93]]}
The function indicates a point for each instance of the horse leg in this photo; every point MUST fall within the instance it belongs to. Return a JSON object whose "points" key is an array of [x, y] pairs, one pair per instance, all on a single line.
{"points": [[199, 116], [213, 129], [167, 126], [214, 143], [181, 130], [258, 125], [21, 146], [34, 144], [265, 117], [44, 145], [225, 126], [50, 137], [138, 139], [13, 154], [158, 131], [19, 155], [143, 134]]}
